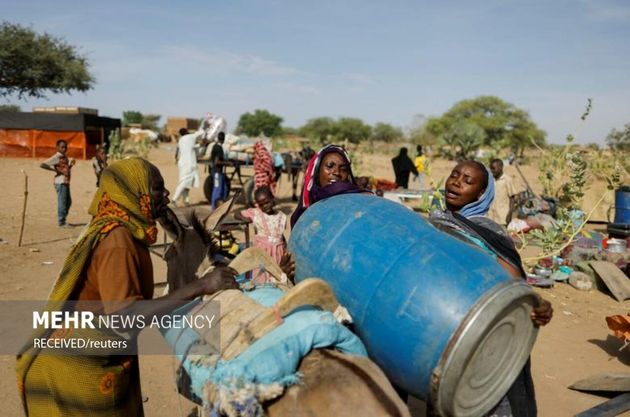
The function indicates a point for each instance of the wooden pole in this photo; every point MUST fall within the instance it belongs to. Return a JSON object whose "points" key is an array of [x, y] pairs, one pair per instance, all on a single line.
{"points": [[23, 207], [524, 179], [85, 144]]}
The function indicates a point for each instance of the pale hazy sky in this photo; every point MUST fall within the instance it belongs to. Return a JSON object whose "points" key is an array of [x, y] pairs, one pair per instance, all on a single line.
{"points": [[379, 61]]}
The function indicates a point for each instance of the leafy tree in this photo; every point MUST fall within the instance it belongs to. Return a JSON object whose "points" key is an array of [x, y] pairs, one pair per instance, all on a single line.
{"points": [[14, 108], [287, 131], [386, 132], [131, 117], [150, 121], [325, 129], [322, 129], [352, 129], [146, 121], [417, 131], [31, 63], [619, 140], [502, 122], [438, 126], [466, 136], [260, 122]]}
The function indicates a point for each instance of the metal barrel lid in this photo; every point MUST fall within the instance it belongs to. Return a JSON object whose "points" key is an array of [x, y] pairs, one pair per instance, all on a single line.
{"points": [[486, 353]]}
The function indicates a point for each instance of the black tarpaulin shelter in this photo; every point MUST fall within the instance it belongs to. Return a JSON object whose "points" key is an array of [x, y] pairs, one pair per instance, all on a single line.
{"points": [[35, 134]]}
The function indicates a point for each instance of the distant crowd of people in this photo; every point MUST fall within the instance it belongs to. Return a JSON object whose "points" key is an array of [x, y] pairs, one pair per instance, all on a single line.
{"points": [[266, 174]]}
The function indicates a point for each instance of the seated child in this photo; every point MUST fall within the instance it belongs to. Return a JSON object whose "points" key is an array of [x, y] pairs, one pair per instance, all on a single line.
{"points": [[269, 225]]}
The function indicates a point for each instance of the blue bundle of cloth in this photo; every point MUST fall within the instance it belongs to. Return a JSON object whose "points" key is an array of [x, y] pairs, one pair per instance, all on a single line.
{"points": [[268, 366]]}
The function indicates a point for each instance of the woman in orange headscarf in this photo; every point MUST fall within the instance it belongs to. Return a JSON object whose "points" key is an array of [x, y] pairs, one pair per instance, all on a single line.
{"points": [[109, 262]]}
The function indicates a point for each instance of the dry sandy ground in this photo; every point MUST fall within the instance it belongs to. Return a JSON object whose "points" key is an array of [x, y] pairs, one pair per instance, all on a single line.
{"points": [[575, 345]]}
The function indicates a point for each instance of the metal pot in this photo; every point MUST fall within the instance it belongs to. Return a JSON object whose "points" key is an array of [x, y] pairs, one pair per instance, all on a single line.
{"points": [[617, 246], [542, 271]]}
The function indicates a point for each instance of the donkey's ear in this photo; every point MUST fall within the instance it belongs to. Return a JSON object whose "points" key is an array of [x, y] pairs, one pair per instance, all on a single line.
{"points": [[198, 225], [171, 225], [216, 217]]}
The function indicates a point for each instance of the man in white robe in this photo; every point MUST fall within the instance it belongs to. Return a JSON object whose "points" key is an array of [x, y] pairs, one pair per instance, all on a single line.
{"points": [[187, 164]]}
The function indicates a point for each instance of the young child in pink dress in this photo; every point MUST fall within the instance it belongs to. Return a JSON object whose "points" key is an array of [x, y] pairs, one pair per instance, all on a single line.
{"points": [[269, 225]]}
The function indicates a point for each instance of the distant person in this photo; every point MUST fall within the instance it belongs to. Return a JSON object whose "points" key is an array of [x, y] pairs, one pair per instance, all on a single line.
{"points": [[99, 162], [403, 166], [186, 164], [264, 171], [505, 195], [219, 180], [422, 164], [61, 166]]}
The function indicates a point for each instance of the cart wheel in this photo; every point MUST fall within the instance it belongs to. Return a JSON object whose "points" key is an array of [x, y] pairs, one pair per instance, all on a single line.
{"points": [[207, 188], [208, 184]]}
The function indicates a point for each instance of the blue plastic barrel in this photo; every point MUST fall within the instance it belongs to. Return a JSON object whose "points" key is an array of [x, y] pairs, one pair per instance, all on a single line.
{"points": [[622, 205], [441, 317]]}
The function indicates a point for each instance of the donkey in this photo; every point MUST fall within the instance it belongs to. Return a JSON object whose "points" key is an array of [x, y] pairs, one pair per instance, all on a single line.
{"points": [[292, 167], [294, 163], [333, 383]]}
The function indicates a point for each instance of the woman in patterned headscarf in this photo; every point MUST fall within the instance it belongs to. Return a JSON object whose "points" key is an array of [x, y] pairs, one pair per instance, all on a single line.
{"points": [[329, 173], [109, 262]]}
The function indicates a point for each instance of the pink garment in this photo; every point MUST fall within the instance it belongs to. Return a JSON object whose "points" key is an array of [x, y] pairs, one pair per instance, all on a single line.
{"points": [[269, 236]]}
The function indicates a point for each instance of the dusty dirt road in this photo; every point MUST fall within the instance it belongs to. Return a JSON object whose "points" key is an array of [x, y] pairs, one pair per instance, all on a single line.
{"points": [[575, 345]]}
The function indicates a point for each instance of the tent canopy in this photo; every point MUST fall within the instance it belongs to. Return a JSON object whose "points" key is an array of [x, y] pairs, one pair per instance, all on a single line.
{"points": [[56, 122]]}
